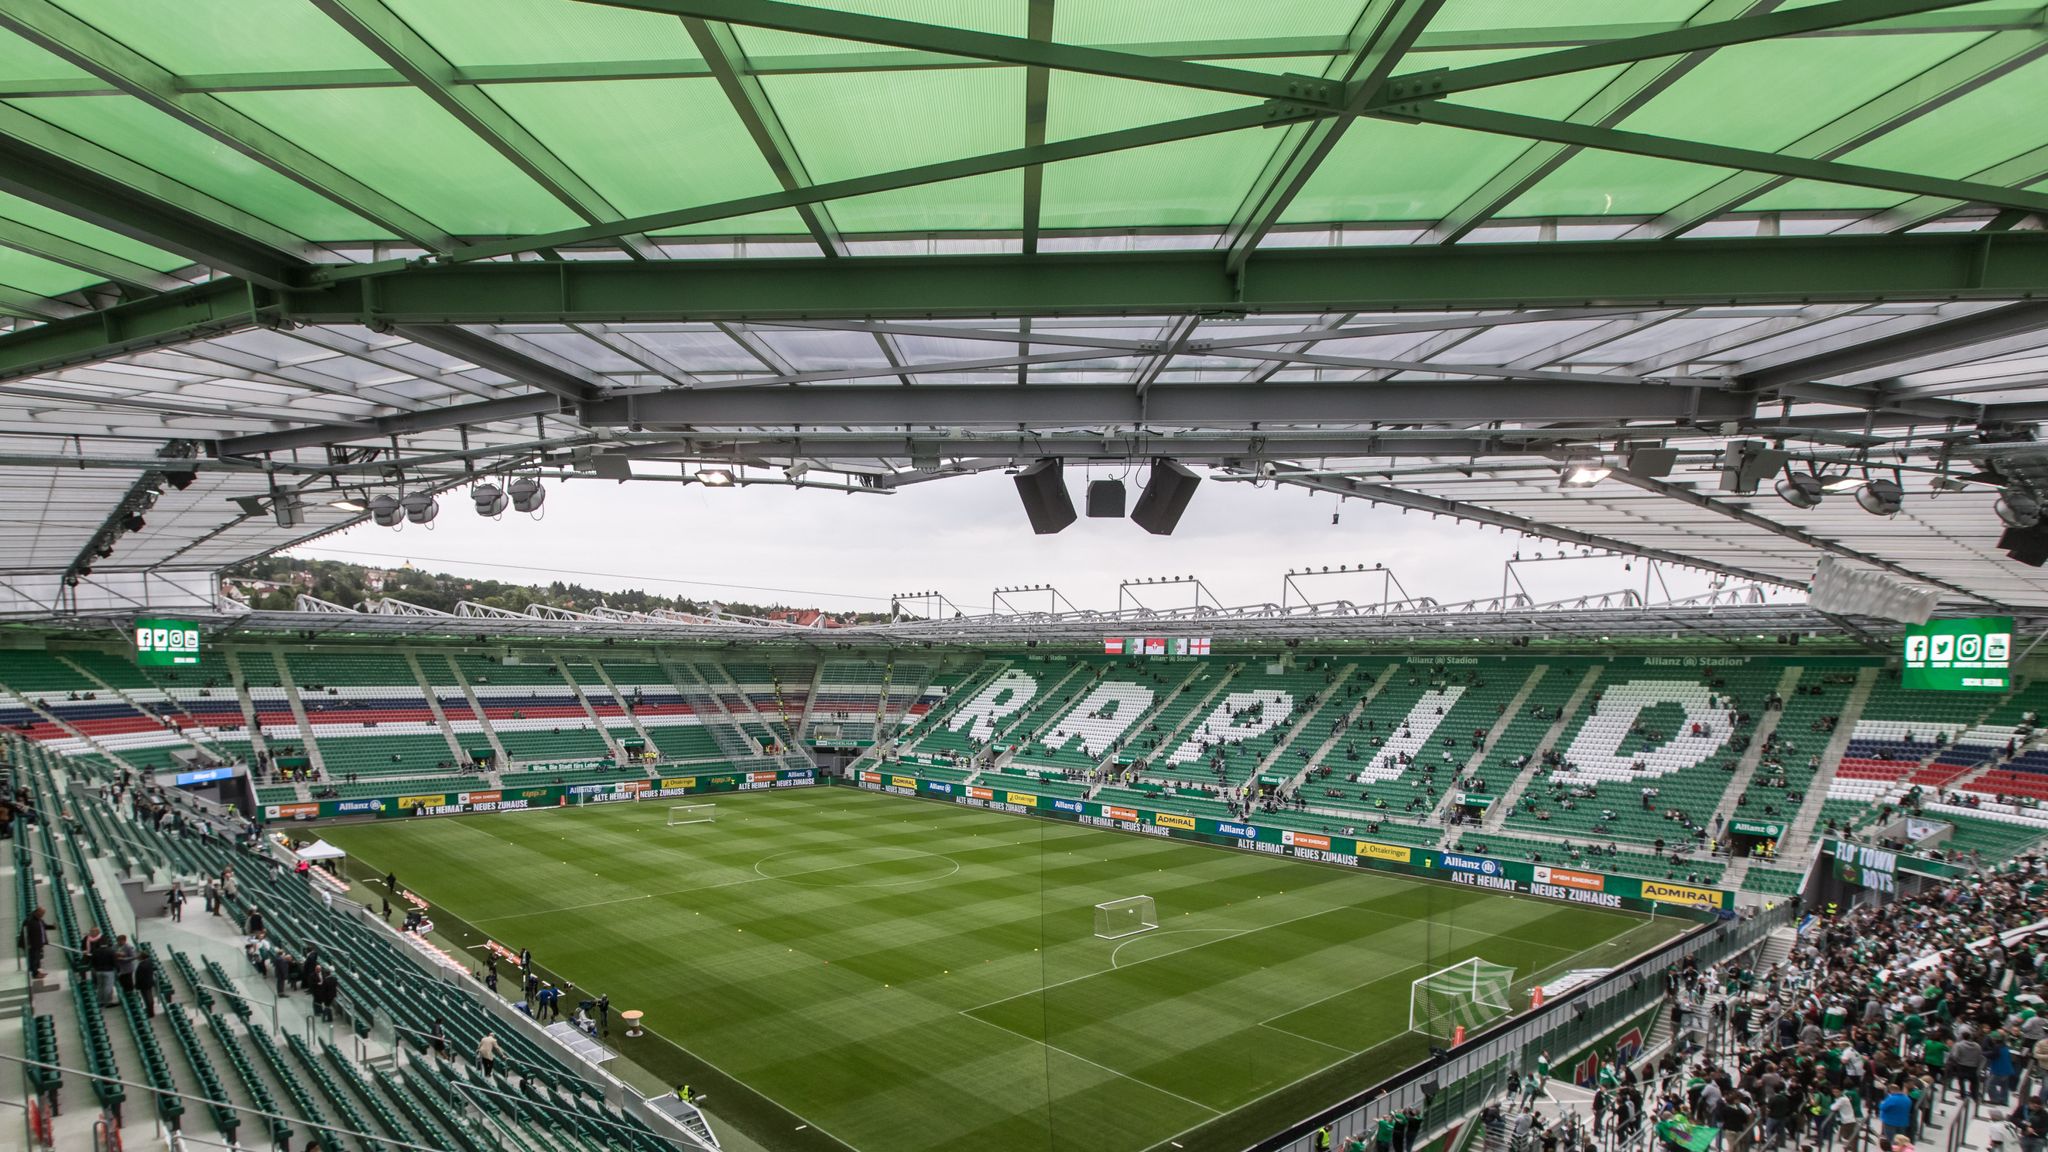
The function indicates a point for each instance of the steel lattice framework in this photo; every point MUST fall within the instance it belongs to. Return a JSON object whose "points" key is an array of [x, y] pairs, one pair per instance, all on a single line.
{"points": [[303, 253]]}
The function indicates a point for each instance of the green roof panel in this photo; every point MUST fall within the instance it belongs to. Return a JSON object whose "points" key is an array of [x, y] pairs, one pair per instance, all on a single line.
{"points": [[527, 32], [199, 36], [132, 129], [852, 125], [645, 145], [1190, 182], [40, 277], [401, 143], [1812, 82]]}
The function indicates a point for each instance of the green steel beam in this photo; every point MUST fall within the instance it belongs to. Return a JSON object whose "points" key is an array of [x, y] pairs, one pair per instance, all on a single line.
{"points": [[1037, 92], [1960, 74], [381, 30], [992, 46], [1383, 33], [1448, 278], [1716, 155], [1258, 116], [84, 257], [1679, 41], [30, 306], [81, 45], [728, 62], [1616, 100], [48, 166]]}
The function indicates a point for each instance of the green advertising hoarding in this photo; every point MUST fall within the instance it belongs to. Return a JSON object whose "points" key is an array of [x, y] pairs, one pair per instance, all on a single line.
{"points": [[166, 644], [1969, 655], [682, 783], [1551, 882]]}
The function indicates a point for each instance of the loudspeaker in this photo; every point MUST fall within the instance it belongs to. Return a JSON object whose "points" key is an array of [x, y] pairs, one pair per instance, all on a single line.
{"points": [[1166, 496], [1106, 499], [1043, 488], [2029, 546]]}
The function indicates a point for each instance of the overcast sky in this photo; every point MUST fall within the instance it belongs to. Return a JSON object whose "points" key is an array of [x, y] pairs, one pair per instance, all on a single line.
{"points": [[963, 537]]}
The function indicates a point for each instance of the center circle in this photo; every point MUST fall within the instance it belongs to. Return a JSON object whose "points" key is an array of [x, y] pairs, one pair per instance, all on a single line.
{"points": [[856, 866]]}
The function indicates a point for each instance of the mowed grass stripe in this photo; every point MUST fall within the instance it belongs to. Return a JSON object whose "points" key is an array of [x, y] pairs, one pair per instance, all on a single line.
{"points": [[842, 994]]}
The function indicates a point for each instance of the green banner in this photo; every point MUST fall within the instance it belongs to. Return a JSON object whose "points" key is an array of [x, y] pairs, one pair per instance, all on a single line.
{"points": [[1757, 828], [1571, 885]]}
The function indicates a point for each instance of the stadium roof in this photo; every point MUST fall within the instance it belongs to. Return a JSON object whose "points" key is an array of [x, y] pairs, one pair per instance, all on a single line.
{"points": [[1425, 252]]}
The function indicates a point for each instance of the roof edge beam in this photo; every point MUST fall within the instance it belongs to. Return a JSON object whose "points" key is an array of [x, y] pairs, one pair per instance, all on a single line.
{"points": [[1191, 405]]}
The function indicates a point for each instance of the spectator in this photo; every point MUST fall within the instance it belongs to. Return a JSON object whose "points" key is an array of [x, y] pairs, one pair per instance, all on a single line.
{"points": [[487, 1053]]}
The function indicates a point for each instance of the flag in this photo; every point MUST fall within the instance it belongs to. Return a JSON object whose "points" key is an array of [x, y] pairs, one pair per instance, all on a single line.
{"points": [[1113, 646], [1180, 646], [1155, 646], [1198, 647]]}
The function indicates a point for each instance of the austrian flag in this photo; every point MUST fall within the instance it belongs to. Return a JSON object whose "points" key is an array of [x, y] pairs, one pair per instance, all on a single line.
{"points": [[1113, 646]]}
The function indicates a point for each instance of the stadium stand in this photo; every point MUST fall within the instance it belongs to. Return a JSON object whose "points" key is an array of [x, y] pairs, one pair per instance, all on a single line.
{"points": [[209, 1055]]}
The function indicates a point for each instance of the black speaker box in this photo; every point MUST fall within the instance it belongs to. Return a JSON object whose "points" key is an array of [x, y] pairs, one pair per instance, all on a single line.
{"points": [[2029, 546], [1166, 496], [1106, 499], [1043, 488]]}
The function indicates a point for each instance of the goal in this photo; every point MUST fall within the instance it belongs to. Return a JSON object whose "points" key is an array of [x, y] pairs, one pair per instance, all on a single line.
{"points": [[692, 814], [1116, 919], [1465, 995]]}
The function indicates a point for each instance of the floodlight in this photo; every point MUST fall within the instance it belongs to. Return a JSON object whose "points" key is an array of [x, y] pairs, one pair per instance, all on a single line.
{"points": [[2018, 508], [715, 478], [1584, 472], [527, 494], [1800, 489], [1844, 484], [133, 522], [181, 480], [490, 500], [420, 508], [385, 510], [348, 504], [1881, 497]]}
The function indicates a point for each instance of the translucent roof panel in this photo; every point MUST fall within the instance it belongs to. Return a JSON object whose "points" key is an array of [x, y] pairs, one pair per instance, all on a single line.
{"points": [[574, 228]]}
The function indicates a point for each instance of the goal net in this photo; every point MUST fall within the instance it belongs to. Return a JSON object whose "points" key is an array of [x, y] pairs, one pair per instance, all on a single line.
{"points": [[1116, 919], [692, 814], [1466, 994]]}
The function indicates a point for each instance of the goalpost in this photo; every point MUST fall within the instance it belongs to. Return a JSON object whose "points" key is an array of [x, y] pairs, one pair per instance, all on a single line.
{"points": [[1116, 919], [1466, 994], [692, 814]]}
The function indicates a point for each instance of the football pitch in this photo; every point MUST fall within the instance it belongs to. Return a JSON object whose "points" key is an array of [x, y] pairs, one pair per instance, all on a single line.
{"points": [[851, 969]]}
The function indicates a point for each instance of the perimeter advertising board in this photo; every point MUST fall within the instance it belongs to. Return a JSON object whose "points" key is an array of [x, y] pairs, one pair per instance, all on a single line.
{"points": [[547, 796], [1570, 885]]}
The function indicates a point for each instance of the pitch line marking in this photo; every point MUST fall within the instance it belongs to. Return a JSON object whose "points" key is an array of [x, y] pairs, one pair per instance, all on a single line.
{"points": [[1348, 1053], [1085, 1060], [1149, 935]]}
